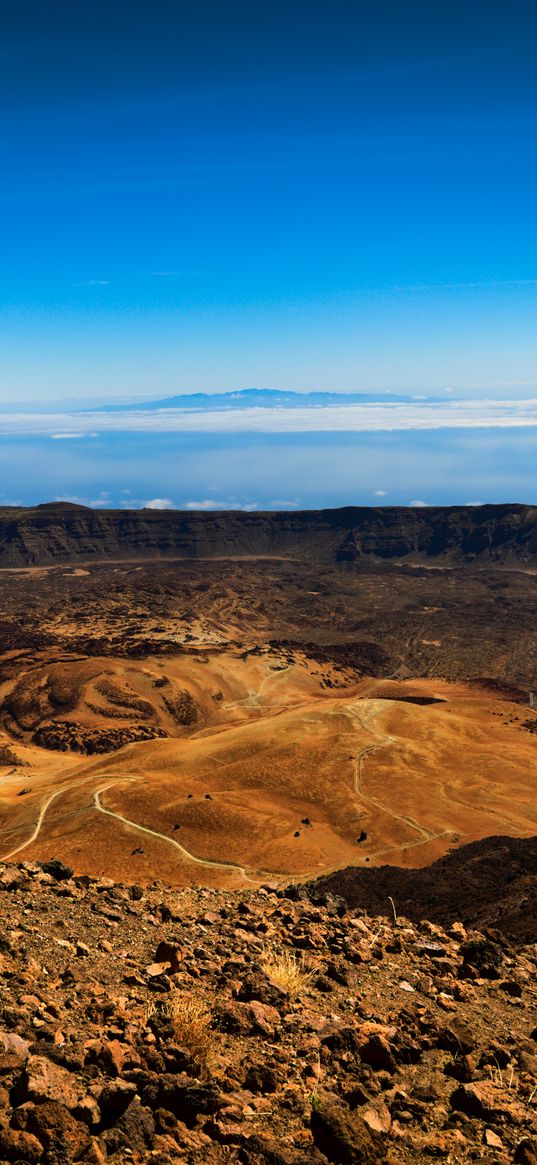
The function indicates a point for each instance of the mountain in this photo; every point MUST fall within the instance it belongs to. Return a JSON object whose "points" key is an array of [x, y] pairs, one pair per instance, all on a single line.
{"points": [[63, 532], [264, 398]]}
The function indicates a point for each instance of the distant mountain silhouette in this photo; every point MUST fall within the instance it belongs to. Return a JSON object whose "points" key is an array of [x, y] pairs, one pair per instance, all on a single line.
{"points": [[264, 398]]}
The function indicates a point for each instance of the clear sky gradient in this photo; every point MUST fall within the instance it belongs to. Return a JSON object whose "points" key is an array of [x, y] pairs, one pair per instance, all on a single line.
{"points": [[298, 195]]}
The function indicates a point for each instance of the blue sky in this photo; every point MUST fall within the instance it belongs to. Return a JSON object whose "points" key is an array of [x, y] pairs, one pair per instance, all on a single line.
{"points": [[285, 194], [293, 195]]}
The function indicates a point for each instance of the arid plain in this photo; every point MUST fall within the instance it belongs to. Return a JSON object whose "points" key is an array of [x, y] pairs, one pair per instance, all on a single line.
{"points": [[235, 721]]}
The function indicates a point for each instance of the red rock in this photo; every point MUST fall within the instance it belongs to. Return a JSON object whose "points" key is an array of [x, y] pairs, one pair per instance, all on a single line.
{"points": [[153, 970], [377, 1116], [11, 879], [11, 1042], [94, 1155], [263, 1018], [134, 1130], [109, 1055], [374, 1046], [492, 1139], [57, 1131], [343, 1136], [526, 1152], [169, 953], [44, 1080], [488, 1101], [19, 1146]]}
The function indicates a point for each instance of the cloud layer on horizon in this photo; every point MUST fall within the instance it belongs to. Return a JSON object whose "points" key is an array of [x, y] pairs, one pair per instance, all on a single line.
{"points": [[384, 417]]}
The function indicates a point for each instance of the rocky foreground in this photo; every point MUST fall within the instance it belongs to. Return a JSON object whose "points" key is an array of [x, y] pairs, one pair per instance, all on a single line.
{"points": [[267, 1027]]}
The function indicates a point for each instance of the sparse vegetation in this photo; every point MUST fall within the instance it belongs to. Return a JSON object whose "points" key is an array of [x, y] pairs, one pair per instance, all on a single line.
{"points": [[182, 708], [8, 757], [288, 970], [123, 698], [192, 1021]]}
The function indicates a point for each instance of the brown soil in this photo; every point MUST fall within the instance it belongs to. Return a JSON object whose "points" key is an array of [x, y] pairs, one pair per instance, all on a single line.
{"points": [[259, 718], [296, 769]]}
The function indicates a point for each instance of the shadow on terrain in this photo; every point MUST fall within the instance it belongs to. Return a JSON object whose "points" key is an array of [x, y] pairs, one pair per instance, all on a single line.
{"points": [[490, 883]]}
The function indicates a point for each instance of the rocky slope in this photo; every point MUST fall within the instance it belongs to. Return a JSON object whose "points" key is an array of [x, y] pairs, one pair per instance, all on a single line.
{"points": [[264, 1028], [64, 532], [490, 883]]}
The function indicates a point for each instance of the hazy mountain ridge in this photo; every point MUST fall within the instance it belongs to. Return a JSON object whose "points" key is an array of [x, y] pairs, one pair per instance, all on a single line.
{"points": [[266, 398], [62, 532]]}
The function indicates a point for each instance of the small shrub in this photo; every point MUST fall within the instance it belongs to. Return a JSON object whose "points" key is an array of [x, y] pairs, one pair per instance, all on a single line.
{"points": [[288, 970], [192, 1022]]}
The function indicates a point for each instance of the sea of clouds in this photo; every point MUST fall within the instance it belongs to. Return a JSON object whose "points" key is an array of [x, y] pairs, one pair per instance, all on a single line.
{"points": [[384, 417]]}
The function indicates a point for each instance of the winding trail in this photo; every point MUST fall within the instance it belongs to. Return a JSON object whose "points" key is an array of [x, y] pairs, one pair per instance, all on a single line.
{"points": [[232, 866], [42, 814], [252, 700], [362, 710], [382, 739]]}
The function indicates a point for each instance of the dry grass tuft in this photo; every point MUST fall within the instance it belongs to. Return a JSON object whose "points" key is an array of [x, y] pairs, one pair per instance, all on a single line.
{"points": [[288, 970], [192, 1020]]}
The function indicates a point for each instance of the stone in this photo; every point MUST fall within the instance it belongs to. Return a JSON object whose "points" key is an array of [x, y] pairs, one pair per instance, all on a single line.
{"points": [[180, 1095], [492, 1140], [263, 1019], [44, 1080], [374, 1046], [457, 1036], [483, 957], [58, 1132], [171, 954], [488, 1101], [57, 870], [153, 970], [340, 1037], [11, 879], [108, 1055], [377, 1116], [343, 1136], [261, 988], [115, 1098], [19, 1146], [261, 1078]]}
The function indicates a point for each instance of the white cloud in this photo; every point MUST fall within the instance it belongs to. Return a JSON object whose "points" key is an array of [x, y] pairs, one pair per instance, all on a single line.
{"points": [[380, 493], [387, 416], [418, 504], [284, 503], [159, 504], [212, 504], [94, 283], [206, 504]]}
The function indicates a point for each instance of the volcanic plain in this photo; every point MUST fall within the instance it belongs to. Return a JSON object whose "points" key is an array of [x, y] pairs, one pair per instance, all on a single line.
{"points": [[232, 720]]}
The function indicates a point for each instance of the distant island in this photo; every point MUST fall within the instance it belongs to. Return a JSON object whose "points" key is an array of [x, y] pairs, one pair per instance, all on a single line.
{"points": [[265, 398]]}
